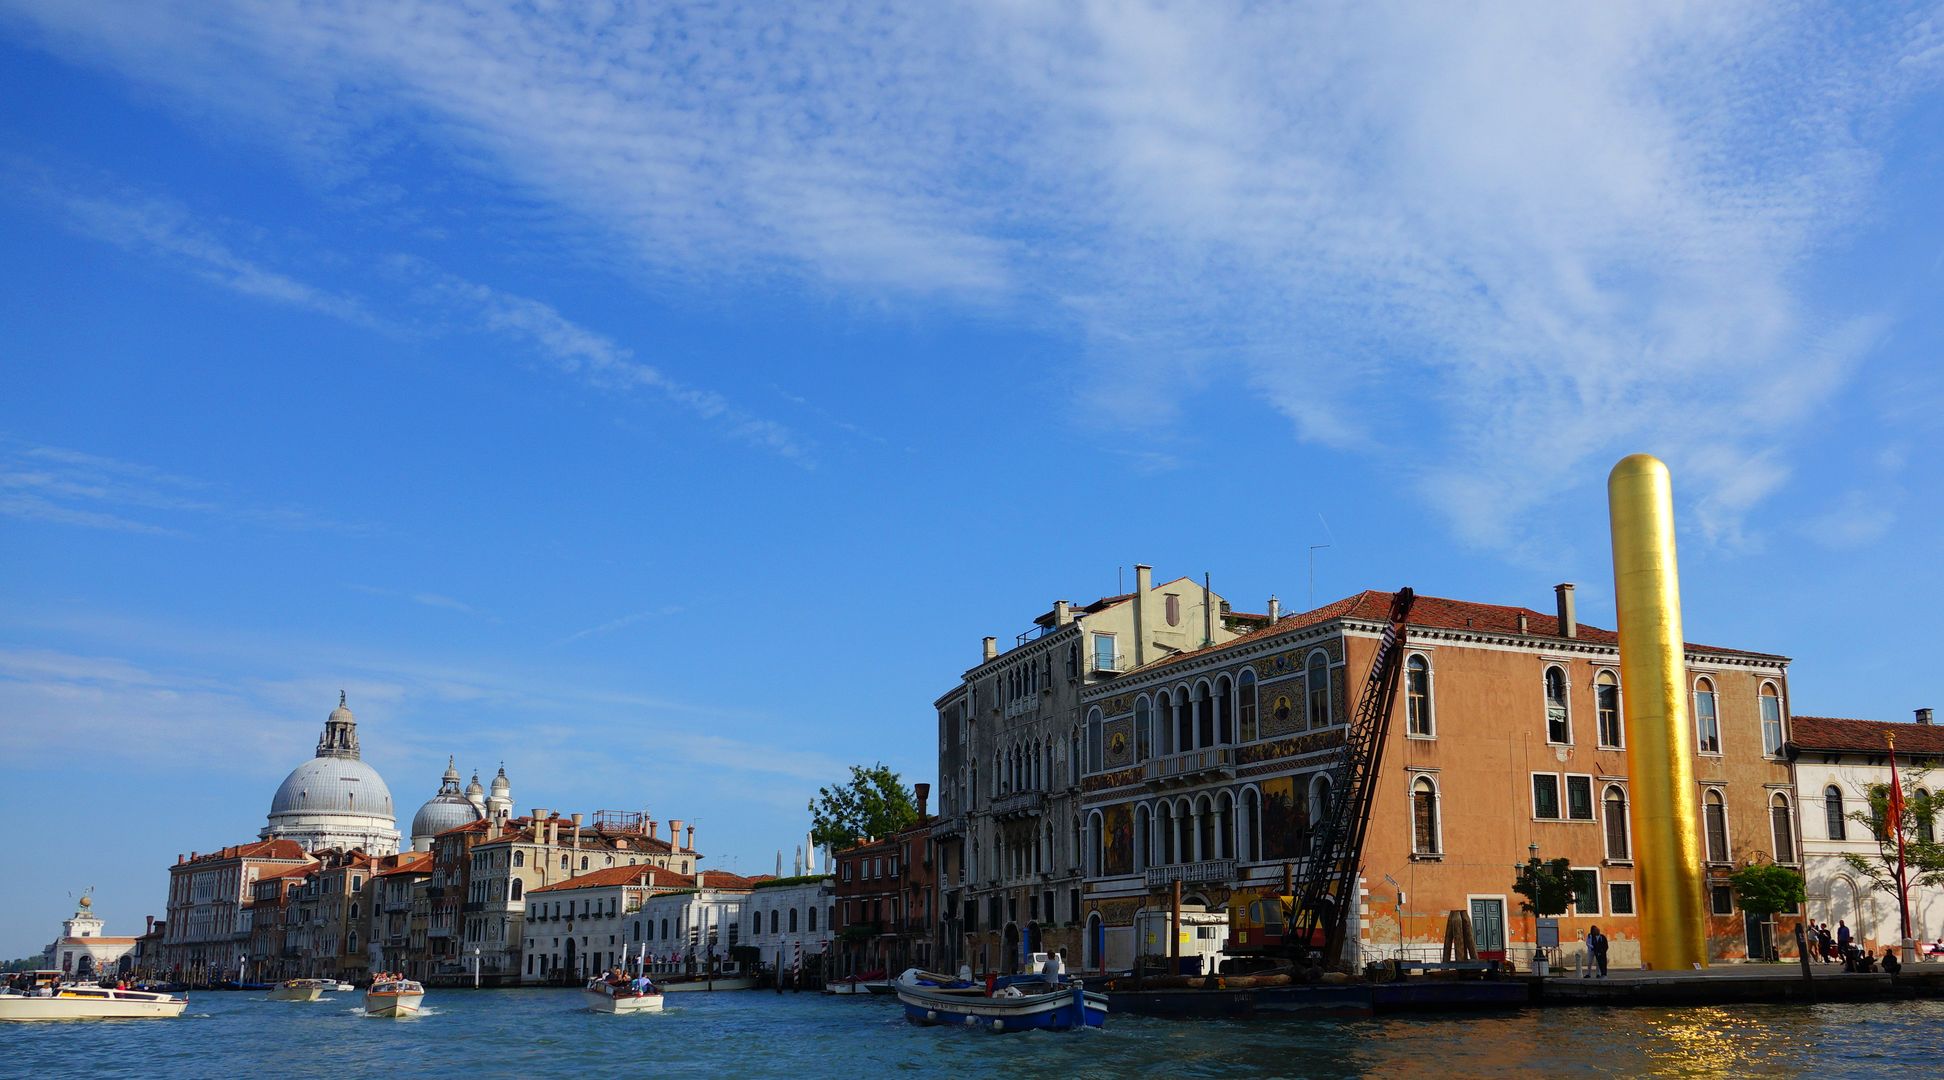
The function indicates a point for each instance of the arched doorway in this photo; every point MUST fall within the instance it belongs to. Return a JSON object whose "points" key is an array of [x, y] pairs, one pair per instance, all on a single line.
{"points": [[1096, 957], [1032, 939], [569, 964], [1009, 963]]}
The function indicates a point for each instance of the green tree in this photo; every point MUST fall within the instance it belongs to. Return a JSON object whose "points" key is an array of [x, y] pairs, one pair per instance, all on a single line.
{"points": [[1546, 885], [1923, 855], [1765, 888], [873, 803]]}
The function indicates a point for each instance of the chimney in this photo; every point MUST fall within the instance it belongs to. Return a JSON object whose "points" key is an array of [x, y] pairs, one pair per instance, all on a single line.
{"points": [[654, 829], [1568, 620], [698, 881], [1143, 584], [924, 793], [576, 819], [991, 648], [151, 926], [1924, 717], [675, 834], [1524, 626], [1062, 613], [179, 859], [1275, 608], [1208, 613], [690, 845]]}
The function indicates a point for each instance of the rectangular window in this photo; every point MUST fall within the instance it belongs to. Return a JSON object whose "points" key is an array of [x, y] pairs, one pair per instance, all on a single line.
{"points": [[1771, 725], [1620, 897], [1104, 656], [1579, 798], [1545, 796], [1721, 900], [1586, 892], [1606, 701]]}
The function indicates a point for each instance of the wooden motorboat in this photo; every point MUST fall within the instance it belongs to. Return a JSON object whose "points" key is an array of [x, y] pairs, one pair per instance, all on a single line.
{"points": [[40, 995], [302, 989], [637, 996], [396, 998]]}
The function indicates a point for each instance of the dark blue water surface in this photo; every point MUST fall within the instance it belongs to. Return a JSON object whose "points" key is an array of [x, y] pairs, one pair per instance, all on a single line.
{"points": [[465, 1033]]}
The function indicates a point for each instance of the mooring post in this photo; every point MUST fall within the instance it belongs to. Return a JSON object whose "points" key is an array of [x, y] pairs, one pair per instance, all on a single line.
{"points": [[1802, 951]]}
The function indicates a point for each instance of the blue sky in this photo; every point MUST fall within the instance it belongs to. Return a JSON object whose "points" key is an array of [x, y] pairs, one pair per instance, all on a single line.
{"points": [[666, 406]]}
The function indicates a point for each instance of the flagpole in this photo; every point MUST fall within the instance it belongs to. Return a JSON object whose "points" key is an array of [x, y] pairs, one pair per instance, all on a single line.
{"points": [[1906, 948]]}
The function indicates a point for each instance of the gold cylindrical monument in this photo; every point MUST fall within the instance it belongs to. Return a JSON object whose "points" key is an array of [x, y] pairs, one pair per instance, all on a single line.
{"points": [[1653, 689]]}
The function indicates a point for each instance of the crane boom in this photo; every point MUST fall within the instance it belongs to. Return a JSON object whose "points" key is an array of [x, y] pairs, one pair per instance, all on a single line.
{"points": [[1338, 838]]}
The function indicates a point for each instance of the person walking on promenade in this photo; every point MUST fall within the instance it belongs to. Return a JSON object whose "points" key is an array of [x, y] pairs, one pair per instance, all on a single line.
{"points": [[1842, 937], [1597, 942]]}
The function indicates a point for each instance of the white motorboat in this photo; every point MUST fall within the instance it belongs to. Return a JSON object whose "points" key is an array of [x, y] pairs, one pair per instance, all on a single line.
{"points": [[396, 998], [40, 996], [720, 982], [629, 997], [341, 987], [302, 989]]}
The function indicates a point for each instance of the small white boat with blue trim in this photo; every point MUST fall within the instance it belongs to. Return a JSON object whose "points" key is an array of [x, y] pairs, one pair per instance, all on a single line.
{"points": [[1007, 1003], [604, 995]]}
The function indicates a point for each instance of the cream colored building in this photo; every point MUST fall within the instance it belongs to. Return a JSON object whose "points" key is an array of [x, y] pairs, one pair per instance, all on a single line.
{"points": [[624, 915], [82, 949], [527, 853], [1007, 844], [1837, 762]]}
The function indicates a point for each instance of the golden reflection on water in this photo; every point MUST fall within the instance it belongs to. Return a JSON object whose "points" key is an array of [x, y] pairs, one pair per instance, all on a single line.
{"points": [[1716, 1041]]}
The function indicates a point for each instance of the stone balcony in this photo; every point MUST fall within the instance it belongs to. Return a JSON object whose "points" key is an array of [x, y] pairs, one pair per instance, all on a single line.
{"points": [[1207, 871], [1193, 767], [1019, 804], [951, 825]]}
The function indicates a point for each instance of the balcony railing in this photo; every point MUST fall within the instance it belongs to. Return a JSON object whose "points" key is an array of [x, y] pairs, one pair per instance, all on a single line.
{"points": [[949, 826], [1212, 763], [1018, 804], [1216, 871], [1103, 663]]}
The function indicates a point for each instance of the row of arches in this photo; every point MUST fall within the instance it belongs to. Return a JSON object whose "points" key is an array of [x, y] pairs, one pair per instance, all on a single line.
{"points": [[1218, 710], [1243, 823]]}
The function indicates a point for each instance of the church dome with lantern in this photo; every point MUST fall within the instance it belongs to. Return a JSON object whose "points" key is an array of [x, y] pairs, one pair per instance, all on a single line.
{"points": [[335, 800]]}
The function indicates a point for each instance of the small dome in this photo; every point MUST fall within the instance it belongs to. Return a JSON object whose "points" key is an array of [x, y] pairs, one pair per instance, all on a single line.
{"points": [[500, 784], [441, 813], [333, 785], [474, 788]]}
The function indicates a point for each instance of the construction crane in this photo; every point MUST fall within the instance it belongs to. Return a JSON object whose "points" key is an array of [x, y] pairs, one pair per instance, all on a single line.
{"points": [[1305, 922]]}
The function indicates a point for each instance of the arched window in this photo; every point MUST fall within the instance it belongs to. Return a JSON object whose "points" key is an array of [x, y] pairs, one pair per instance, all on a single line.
{"points": [[1782, 824], [1424, 816], [1248, 727], [1143, 836], [1771, 721], [775, 920], [1417, 696], [519, 858], [354, 910], [1318, 680], [637, 929], [1617, 849], [793, 920], [1225, 825], [1164, 832], [1606, 706], [1252, 824], [1095, 751], [583, 862], [813, 919], [1095, 854], [1559, 724], [1224, 711], [1143, 728], [1833, 812], [1716, 810], [664, 929], [563, 862], [1319, 804], [1184, 721], [1707, 723], [519, 890]]}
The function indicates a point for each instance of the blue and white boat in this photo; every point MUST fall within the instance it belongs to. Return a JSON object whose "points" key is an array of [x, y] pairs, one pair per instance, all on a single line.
{"points": [[1013, 1003]]}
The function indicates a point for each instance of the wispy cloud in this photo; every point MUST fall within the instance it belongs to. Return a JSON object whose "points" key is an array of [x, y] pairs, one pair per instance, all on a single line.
{"points": [[593, 357], [1534, 235], [69, 487], [619, 623]]}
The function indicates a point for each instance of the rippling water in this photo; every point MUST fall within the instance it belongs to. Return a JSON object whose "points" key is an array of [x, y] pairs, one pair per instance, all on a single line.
{"points": [[466, 1033]]}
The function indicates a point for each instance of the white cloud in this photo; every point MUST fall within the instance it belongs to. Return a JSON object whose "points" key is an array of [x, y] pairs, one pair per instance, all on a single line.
{"points": [[1530, 237]]}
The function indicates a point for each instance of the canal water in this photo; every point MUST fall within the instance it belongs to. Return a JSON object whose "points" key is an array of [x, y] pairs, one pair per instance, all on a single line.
{"points": [[544, 1033]]}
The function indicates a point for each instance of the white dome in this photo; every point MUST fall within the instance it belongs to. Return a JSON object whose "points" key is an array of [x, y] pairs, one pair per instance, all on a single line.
{"points": [[333, 785], [449, 809]]}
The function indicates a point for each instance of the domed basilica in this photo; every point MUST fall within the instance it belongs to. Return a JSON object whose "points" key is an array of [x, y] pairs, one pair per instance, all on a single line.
{"points": [[335, 800]]}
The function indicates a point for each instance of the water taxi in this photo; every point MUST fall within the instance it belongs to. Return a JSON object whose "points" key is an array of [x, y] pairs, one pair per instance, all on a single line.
{"points": [[394, 998], [40, 995], [636, 996], [303, 989], [1008, 1003]]}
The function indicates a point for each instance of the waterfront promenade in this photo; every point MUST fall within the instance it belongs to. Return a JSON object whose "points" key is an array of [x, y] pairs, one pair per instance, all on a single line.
{"points": [[545, 1033]]}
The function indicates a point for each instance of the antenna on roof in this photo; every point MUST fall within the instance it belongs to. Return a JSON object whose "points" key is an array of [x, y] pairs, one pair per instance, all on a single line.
{"points": [[1120, 575], [1313, 548]]}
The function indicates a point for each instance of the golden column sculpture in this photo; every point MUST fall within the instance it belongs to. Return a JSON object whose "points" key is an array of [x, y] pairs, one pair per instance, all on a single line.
{"points": [[1660, 742]]}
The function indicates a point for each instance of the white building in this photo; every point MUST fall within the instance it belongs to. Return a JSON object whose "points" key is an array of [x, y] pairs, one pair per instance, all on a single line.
{"points": [[790, 917], [335, 800], [82, 950], [1837, 763], [612, 917]]}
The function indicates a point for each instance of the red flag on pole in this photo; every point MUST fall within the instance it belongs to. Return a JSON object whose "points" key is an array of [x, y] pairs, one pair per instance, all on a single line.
{"points": [[1894, 813]]}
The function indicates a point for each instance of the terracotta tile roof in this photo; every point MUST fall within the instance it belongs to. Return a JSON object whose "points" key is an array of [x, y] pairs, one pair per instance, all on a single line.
{"points": [[417, 863], [1865, 736], [657, 876], [262, 849], [1431, 612], [288, 871], [723, 879]]}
